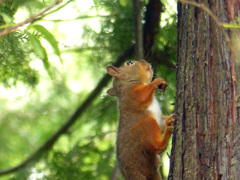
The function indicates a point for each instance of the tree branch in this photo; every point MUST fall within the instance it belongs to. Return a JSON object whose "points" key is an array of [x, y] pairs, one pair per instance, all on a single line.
{"points": [[77, 18], [162, 58], [151, 26], [115, 172], [138, 29], [10, 29]]}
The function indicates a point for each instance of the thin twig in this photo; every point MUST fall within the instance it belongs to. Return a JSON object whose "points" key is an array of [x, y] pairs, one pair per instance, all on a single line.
{"points": [[59, 7], [10, 29], [202, 6], [77, 18]]}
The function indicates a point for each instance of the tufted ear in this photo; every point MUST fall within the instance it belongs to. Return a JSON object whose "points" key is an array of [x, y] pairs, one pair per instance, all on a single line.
{"points": [[111, 92], [113, 71]]}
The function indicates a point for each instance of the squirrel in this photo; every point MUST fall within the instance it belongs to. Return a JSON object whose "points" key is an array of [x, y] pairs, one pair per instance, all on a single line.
{"points": [[139, 139]]}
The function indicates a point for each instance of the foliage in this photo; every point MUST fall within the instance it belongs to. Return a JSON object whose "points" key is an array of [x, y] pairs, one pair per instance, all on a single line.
{"points": [[60, 79], [14, 60], [17, 48], [116, 30]]}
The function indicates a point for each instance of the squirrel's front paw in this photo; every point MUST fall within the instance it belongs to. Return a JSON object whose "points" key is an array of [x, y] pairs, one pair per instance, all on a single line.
{"points": [[162, 85], [170, 122]]}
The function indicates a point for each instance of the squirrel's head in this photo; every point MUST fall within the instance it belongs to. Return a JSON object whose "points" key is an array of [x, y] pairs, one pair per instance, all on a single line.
{"points": [[130, 73]]}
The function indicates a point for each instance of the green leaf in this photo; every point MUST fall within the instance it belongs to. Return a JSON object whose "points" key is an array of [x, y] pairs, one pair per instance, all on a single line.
{"points": [[7, 19], [49, 37], [232, 26], [123, 2], [96, 2], [40, 51]]}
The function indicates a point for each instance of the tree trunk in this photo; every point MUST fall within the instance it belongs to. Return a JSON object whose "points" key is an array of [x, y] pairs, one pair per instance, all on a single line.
{"points": [[206, 140]]}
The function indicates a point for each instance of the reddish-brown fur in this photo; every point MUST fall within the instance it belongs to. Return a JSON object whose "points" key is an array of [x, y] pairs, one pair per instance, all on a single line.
{"points": [[139, 138]]}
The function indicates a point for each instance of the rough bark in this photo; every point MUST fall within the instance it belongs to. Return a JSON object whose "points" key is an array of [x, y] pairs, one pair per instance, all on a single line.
{"points": [[206, 138]]}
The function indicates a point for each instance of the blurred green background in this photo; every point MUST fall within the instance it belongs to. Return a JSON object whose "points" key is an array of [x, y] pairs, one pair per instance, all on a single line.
{"points": [[48, 68]]}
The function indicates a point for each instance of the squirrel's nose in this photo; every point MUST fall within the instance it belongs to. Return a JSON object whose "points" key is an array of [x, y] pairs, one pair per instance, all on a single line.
{"points": [[146, 63]]}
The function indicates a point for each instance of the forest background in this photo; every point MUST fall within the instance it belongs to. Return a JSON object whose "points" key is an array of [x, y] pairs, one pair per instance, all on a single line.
{"points": [[56, 120]]}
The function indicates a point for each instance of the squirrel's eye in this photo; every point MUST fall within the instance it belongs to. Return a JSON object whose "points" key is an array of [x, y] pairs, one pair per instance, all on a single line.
{"points": [[129, 63]]}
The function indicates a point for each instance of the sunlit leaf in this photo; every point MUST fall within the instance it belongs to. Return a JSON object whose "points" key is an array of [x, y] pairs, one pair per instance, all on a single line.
{"points": [[96, 2], [49, 37], [232, 26], [123, 2], [7, 19], [40, 51]]}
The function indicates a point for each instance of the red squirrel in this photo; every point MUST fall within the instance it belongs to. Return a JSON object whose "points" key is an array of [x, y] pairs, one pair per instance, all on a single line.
{"points": [[139, 139]]}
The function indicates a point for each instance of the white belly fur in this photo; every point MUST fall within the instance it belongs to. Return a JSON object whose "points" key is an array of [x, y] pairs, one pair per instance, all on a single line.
{"points": [[154, 108]]}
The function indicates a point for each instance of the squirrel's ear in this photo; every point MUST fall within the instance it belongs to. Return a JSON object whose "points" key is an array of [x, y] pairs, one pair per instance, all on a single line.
{"points": [[113, 71], [111, 92]]}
